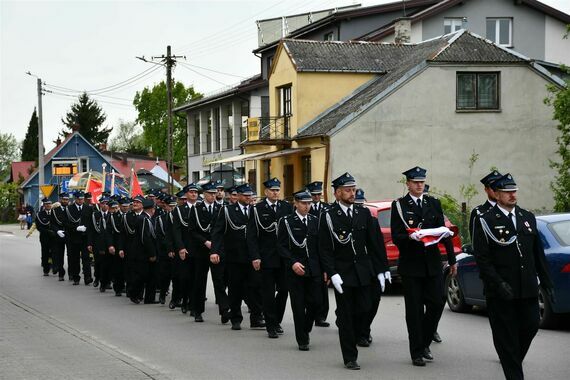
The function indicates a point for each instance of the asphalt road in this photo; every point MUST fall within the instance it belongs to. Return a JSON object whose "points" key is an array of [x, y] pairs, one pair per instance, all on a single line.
{"points": [[53, 330]]}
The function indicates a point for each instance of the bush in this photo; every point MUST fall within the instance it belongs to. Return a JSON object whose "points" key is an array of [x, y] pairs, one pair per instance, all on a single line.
{"points": [[9, 198]]}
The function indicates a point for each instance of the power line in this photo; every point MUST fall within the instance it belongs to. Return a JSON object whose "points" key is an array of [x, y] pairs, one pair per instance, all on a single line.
{"points": [[50, 92], [214, 71], [204, 75]]}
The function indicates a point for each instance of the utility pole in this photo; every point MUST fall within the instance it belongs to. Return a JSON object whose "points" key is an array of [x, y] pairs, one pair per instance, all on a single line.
{"points": [[169, 61], [40, 140]]}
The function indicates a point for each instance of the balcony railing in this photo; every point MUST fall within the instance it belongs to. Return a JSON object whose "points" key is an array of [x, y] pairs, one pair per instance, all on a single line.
{"points": [[264, 129]]}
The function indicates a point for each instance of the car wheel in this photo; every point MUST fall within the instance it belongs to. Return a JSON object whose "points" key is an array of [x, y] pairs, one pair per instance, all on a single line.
{"points": [[454, 295], [548, 319]]}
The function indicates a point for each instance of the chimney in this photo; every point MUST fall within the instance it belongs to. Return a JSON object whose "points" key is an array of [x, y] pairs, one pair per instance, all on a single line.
{"points": [[464, 23], [403, 30]]}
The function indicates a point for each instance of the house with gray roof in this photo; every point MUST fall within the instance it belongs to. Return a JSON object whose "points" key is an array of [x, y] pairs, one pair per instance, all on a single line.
{"points": [[435, 104]]}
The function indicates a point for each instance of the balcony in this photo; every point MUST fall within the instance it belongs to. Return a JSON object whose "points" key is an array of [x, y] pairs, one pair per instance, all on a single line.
{"points": [[268, 131]]}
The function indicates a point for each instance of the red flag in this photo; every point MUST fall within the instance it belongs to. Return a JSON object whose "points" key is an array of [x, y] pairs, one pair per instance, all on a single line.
{"points": [[136, 187], [95, 188]]}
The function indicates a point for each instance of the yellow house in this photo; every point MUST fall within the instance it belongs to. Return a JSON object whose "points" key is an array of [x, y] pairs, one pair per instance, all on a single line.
{"points": [[302, 85]]}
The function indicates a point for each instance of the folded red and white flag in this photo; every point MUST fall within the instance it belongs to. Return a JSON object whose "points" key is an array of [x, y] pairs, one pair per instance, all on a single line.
{"points": [[429, 236]]}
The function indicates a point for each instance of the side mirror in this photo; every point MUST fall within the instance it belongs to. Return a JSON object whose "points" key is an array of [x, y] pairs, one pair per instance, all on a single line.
{"points": [[467, 248]]}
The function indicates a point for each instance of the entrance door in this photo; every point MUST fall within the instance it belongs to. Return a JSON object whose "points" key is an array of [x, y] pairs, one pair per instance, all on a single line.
{"points": [[288, 178]]}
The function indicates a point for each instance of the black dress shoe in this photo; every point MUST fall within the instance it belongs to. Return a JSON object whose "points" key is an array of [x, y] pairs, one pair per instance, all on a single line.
{"points": [[184, 309], [303, 347], [427, 354], [96, 283], [118, 294], [172, 305], [352, 365], [225, 317], [272, 334], [257, 324], [151, 302], [102, 289], [162, 299], [279, 330], [198, 318], [436, 337], [46, 274], [61, 279], [322, 323], [362, 342], [192, 313], [88, 281], [419, 362], [76, 282], [135, 300], [236, 326]]}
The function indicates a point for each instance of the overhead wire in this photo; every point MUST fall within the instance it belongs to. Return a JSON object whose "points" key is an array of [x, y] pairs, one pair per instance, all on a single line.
{"points": [[182, 64]]}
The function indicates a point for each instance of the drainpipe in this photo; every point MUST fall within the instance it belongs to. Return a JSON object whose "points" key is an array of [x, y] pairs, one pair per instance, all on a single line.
{"points": [[186, 144], [325, 140]]}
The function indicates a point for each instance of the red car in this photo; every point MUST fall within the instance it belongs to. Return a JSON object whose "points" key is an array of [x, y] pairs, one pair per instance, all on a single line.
{"points": [[382, 211]]}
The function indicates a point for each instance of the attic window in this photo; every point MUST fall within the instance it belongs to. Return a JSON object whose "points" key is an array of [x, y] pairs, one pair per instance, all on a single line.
{"points": [[477, 91], [500, 31], [329, 37]]}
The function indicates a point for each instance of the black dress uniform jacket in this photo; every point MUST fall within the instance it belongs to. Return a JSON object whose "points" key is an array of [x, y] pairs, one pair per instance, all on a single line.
{"points": [[518, 263], [415, 259], [293, 231], [181, 232], [75, 218], [357, 263], [99, 231], [200, 226], [43, 226], [164, 223], [229, 234], [262, 232], [57, 220], [477, 211]]}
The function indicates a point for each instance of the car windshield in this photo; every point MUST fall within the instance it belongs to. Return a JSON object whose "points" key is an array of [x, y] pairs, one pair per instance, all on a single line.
{"points": [[384, 218], [561, 231]]}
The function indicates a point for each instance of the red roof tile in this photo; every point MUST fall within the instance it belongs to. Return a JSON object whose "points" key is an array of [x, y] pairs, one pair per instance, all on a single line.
{"points": [[22, 168]]}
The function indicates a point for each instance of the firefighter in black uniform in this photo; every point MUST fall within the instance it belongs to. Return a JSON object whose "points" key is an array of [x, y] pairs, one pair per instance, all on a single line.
{"points": [[46, 235], [119, 267], [489, 203], [229, 246], [76, 232], [298, 235], [130, 222], [166, 248], [143, 252], [348, 245], [317, 208], [57, 225], [261, 239], [202, 219], [512, 264], [420, 266], [184, 259], [99, 242]]}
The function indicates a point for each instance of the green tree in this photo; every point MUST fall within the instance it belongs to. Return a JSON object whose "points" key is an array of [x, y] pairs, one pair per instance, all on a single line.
{"points": [[128, 138], [559, 99], [86, 117], [9, 198], [9, 151], [152, 107], [30, 143]]}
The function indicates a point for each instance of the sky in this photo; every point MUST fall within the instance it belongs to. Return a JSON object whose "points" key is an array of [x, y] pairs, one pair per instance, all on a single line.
{"points": [[92, 45]]}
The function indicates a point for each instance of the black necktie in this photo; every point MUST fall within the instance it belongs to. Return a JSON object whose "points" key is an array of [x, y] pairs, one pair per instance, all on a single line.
{"points": [[210, 209], [245, 210], [419, 203], [511, 219], [274, 207], [349, 212], [305, 221]]}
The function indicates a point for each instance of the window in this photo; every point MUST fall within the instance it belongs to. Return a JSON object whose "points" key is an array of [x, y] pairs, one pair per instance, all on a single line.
{"points": [[84, 165], [451, 25], [306, 169], [218, 129], [195, 177], [477, 91], [230, 130], [329, 37], [266, 170], [196, 137], [285, 101], [209, 134], [500, 31]]}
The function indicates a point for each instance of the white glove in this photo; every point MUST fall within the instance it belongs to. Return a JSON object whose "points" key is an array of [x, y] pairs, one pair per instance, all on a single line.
{"points": [[382, 277], [337, 282], [415, 236], [61, 234], [81, 228]]}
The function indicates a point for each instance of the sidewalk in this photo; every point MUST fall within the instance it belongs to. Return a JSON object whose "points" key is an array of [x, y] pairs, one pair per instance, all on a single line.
{"points": [[37, 346]]}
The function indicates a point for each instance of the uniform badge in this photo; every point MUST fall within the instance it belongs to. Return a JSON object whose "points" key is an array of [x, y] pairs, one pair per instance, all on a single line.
{"points": [[502, 240], [410, 222], [507, 232], [501, 232], [338, 213], [341, 236], [530, 230], [527, 224]]}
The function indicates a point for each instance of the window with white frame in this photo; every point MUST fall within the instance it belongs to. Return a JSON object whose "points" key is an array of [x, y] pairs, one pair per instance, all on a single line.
{"points": [[285, 101], [451, 25], [329, 36], [477, 91], [500, 31]]}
